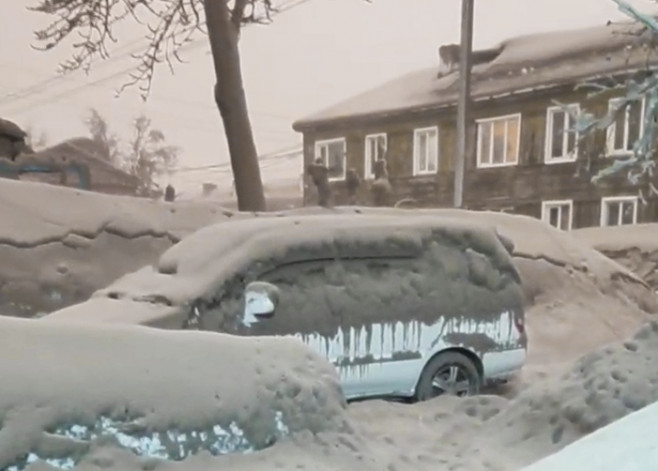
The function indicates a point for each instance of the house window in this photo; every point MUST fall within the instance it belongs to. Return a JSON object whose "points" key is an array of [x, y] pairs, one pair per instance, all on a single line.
{"points": [[332, 154], [426, 151], [375, 150], [561, 142], [627, 127], [619, 210], [558, 213], [498, 141]]}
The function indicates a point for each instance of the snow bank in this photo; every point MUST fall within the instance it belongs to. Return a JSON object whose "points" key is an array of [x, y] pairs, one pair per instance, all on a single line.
{"points": [[154, 394], [603, 386], [635, 247], [59, 245]]}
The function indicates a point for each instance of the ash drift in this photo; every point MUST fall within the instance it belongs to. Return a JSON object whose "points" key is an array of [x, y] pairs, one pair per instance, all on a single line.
{"points": [[379, 295]]}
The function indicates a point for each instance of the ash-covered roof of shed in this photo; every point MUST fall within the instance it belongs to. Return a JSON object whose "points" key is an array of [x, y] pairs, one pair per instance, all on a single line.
{"points": [[519, 64]]}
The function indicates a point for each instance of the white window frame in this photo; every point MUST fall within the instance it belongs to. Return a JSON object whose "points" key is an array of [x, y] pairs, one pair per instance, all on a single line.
{"points": [[547, 205], [417, 132], [506, 118], [320, 143], [611, 132], [548, 145], [617, 199], [367, 164]]}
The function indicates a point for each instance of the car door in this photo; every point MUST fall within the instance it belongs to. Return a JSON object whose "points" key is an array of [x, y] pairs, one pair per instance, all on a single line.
{"points": [[352, 311]]}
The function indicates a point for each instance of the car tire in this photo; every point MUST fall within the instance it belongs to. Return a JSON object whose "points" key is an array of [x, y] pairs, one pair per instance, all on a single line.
{"points": [[449, 373]]}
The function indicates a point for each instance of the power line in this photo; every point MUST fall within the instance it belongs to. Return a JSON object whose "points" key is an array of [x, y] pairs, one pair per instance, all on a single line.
{"points": [[58, 78], [64, 76], [270, 158], [98, 83]]}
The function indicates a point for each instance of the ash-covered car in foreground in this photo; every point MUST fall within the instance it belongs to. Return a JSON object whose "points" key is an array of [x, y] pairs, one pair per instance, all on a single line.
{"points": [[409, 306]]}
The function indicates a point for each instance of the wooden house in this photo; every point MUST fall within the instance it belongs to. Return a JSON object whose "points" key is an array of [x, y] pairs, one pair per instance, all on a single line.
{"points": [[522, 157]]}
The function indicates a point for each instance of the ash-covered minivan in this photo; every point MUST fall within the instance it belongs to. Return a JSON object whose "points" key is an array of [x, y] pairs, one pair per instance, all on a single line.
{"points": [[410, 306]]}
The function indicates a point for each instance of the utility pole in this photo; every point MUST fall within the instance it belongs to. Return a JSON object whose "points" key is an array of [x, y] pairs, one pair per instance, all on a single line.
{"points": [[463, 106]]}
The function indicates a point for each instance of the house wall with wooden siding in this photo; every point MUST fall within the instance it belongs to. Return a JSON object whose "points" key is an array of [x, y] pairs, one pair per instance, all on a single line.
{"points": [[519, 188]]}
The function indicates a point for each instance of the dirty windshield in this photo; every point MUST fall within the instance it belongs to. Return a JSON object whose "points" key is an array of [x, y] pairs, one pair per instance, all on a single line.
{"points": [[296, 234]]}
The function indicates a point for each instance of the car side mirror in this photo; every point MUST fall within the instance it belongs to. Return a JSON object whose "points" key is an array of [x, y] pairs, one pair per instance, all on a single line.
{"points": [[260, 302]]}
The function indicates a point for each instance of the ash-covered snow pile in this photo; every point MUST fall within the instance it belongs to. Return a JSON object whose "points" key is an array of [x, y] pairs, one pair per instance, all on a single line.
{"points": [[600, 388], [604, 451], [68, 391], [633, 246], [58, 245]]}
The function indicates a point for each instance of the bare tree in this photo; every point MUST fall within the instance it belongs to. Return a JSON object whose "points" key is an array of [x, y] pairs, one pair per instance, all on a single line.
{"points": [[171, 24], [640, 161], [146, 155], [149, 156], [100, 133]]}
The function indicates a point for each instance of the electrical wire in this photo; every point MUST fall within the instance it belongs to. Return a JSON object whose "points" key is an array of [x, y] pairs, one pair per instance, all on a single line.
{"points": [[44, 84]]}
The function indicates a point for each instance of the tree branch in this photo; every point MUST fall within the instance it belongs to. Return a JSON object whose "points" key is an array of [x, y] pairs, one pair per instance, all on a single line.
{"points": [[238, 13], [88, 26]]}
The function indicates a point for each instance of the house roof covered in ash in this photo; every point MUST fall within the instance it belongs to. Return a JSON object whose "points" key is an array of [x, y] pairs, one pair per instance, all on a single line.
{"points": [[517, 65], [83, 150]]}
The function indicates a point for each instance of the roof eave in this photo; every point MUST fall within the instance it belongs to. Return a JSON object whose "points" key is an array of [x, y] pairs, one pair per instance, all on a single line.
{"points": [[311, 124]]}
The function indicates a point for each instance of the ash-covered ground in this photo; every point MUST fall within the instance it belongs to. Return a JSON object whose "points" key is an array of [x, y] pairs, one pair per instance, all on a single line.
{"points": [[590, 358]]}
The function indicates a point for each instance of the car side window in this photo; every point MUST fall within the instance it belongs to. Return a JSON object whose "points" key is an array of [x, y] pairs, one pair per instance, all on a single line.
{"points": [[309, 296], [321, 296], [444, 281]]}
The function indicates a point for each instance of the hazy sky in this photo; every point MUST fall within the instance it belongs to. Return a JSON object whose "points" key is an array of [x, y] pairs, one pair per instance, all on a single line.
{"points": [[312, 56]]}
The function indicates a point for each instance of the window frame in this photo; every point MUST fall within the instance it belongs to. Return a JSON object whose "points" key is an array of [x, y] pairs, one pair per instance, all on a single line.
{"points": [[548, 144], [508, 117], [322, 142], [610, 135], [367, 163], [605, 201], [416, 157], [548, 204]]}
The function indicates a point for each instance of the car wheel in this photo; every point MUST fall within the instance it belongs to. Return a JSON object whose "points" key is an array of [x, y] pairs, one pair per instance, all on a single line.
{"points": [[449, 373]]}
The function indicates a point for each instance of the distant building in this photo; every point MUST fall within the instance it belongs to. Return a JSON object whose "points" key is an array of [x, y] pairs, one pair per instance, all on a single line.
{"points": [[77, 162], [520, 159]]}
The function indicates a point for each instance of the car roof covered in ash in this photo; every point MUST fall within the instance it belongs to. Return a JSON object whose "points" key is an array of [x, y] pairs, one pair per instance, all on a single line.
{"points": [[195, 266]]}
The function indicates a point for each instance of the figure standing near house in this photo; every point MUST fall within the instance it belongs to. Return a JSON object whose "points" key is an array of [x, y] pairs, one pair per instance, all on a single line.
{"points": [[170, 193], [381, 188], [319, 173]]}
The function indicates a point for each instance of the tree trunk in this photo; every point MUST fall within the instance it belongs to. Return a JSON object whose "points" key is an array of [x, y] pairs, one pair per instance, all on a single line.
{"points": [[232, 103]]}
